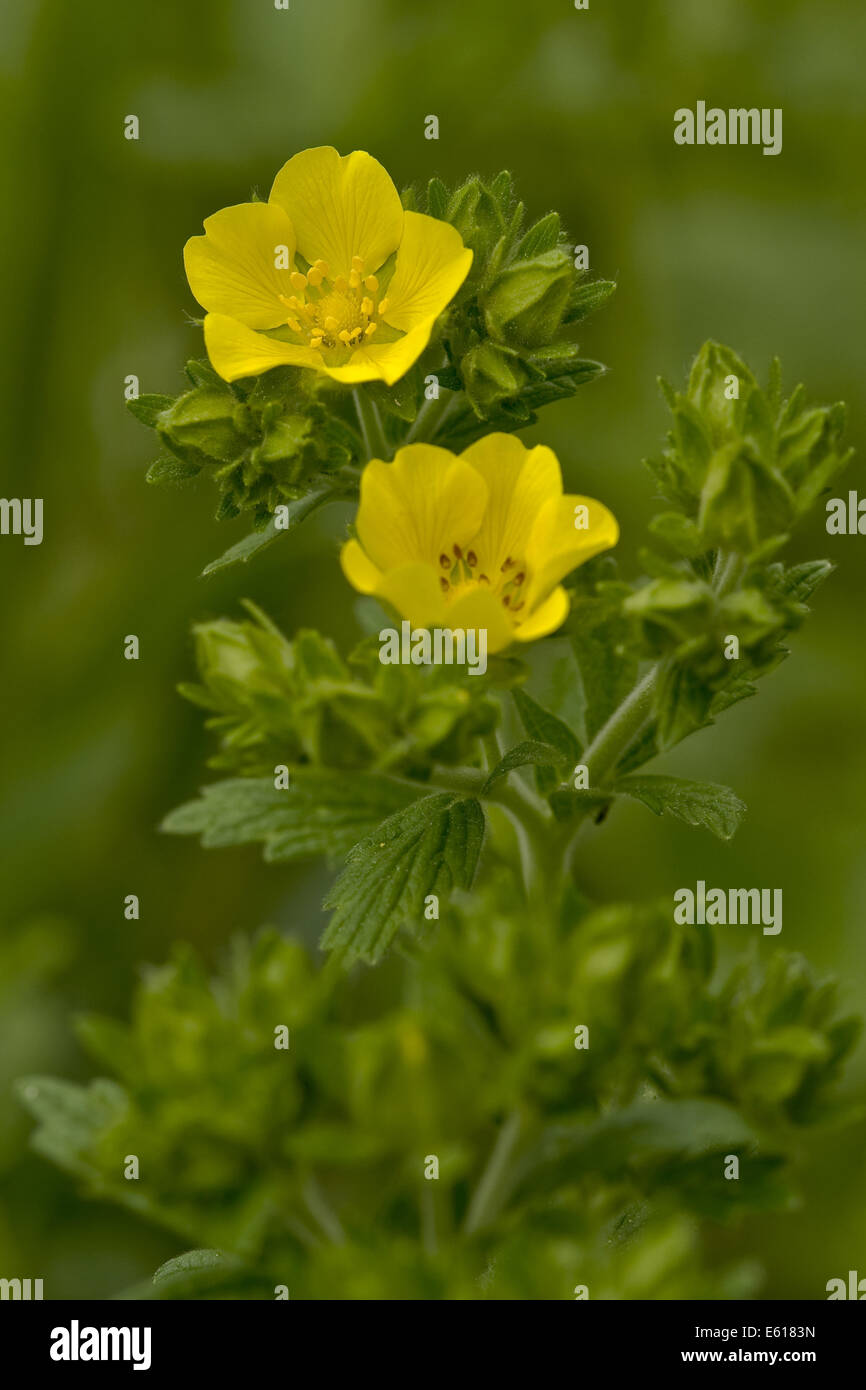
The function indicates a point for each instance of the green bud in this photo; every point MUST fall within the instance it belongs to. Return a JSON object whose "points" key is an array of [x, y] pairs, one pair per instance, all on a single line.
{"points": [[527, 301], [204, 425], [492, 374]]}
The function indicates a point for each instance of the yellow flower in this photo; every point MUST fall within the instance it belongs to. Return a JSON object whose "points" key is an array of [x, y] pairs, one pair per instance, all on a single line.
{"points": [[476, 540], [329, 273]]}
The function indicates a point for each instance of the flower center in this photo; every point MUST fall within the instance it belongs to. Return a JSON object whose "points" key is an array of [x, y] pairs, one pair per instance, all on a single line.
{"points": [[460, 571], [336, 311]]}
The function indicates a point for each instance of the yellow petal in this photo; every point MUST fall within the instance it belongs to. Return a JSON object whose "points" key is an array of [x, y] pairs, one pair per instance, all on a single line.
{"points": [[236, 351], [383, 361], [231, 269], [340, 208], [418, 508], [360, 571], [520, 482], [415, 593], [557, 546], [546, 618], [482, 610], [432, 264]]}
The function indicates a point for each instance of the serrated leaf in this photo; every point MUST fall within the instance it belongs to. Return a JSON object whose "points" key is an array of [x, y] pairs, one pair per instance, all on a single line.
{"points": [[437, 199], [321, 812], [705, 804], [544, 727], [71, 1118], [431, 847], [522, 754], [252, 545]]}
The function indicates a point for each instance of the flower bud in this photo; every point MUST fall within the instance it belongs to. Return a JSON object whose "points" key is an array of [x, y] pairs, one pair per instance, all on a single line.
{"points": [[527, 301]]}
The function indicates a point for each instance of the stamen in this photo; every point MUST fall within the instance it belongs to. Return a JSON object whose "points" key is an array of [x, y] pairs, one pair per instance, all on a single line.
{"points": [[506, 599], [443, 584], [354, 279], [444, 562], [315, 277], [383, 305], [316, 340], [370, 330], [294, 324], [472, 559], [519, 578], [482, 579], [371, 283], [366, 307], [331, 325], [458, 552], [345, 337], [298, 281], [341, 284], [357, 264]]}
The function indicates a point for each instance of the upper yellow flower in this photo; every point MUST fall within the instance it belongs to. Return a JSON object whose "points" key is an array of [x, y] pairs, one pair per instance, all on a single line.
{"points": [[331, 271], [479, 540]]}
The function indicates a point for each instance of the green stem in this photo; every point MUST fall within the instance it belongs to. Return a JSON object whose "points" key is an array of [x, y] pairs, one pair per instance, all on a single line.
{"points": [[611, 741], [372, 433], [487, 1196], [430, 418]]}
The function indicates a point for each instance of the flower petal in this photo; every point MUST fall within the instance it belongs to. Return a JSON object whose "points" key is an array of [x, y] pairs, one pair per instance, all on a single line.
{"points": [[557, 546], [550, 614], [482, 610], [231, 269], [414, 591], [340, 207], [418, 507], [432, 264], [360, 571], [236, 351], [520, 482], [383, 361]]}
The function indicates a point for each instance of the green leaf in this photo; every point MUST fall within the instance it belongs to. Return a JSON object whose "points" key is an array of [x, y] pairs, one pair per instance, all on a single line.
{"points": [[544, 236], [437, 199], [431, 847], [538, 754], [148, 408], [243, 551], [705, 804], [71, 1118], [195, 1273], [319, 813], [172, 472], [587, 298], [604, 648], [544, 727]]}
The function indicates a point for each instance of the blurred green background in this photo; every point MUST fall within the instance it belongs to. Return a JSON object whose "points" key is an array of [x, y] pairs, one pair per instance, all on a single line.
{"points": [[763, 253]]}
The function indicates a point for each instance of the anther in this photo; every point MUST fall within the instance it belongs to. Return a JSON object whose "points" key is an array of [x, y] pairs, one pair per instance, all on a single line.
{"points": [[471, 559], [370, 330], [331, 325], [444, 562], [519, 578], [341, 284], [458, 552], [354, 279], [345, 337], [366, 307], [294, 325], [443, 584], [315, 277], [372, 283], [357, 264], [298, 281], [383, 305]]}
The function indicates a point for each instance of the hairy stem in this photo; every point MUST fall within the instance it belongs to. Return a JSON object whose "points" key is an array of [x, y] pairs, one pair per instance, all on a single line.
{"points": [[485, 1198], [372, 433]]}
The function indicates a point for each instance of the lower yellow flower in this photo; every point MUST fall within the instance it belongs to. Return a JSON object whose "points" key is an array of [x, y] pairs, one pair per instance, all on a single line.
{"points": [[330, 273], [477, 540]]}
